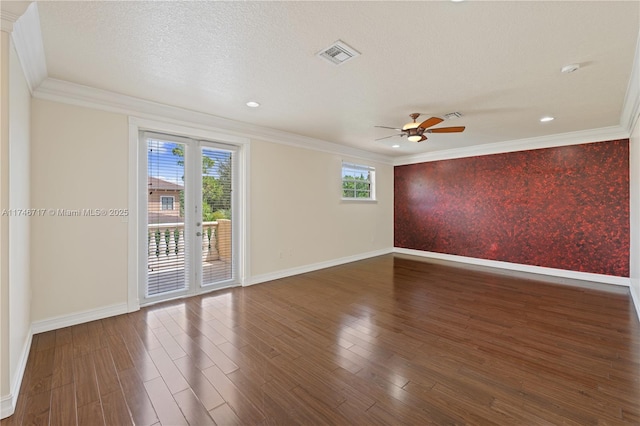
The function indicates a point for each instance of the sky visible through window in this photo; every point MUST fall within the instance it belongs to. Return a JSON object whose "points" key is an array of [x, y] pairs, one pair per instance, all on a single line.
{"points": [[357, 181], [166, 162], [354, 171]]}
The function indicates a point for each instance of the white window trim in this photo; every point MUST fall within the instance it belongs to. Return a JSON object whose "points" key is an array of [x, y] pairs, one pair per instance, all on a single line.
{"points": [[372, 182], [176, 127]]}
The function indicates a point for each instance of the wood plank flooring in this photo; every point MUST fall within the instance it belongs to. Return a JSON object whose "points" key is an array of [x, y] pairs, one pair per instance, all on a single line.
{"points": [[387, 340]]}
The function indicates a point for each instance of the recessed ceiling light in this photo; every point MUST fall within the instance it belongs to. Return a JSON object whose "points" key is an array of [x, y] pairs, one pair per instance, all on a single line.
{"points": [[395, 146], [547, 118], [253, 104], [457, 1]]}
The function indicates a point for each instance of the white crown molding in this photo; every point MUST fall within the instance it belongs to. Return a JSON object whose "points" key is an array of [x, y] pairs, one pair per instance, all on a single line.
{"points": [[629, 116], [631, 106], [561, 139], [539, 270], [27, 39], [75, 94], [8, 19]]}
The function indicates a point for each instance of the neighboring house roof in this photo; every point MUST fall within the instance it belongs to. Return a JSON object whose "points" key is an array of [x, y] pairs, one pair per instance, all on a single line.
{"points": [[163, 185]]}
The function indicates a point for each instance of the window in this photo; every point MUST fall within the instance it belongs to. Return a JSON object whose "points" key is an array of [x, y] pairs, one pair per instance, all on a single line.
{"points": [[358, 182], [167, 203]]}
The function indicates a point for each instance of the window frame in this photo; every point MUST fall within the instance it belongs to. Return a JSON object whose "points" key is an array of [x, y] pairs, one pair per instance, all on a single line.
{"points": [[173, 201], [371, 180]]}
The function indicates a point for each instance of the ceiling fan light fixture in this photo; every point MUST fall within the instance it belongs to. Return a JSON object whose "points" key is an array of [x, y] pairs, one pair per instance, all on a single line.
{"points": [[415, 131]]}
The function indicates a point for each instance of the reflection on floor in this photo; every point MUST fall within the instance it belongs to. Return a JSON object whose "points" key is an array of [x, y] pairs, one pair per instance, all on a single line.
{"points": [[383, 341], [172, 277]]}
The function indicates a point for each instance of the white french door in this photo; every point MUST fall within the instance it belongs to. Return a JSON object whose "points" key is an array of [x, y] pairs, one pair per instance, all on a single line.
{"points": [[187, 216]]}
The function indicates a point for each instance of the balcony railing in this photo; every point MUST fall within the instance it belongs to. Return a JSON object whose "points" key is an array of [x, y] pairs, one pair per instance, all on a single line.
{"points": [[167, 269], [166, 247]]}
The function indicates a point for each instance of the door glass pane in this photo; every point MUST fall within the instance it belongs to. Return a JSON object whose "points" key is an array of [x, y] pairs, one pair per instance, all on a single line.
{"points": [[216, 216], [166, 254]]}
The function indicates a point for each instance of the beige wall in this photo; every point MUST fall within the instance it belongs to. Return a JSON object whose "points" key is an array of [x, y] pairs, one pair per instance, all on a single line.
{"points": [[79, 160], [297, 217], [5, 387], [15, 300], [634, 161]]}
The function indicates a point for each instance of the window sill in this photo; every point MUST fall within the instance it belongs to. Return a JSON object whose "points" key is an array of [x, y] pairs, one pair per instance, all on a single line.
{"points": [[358, 200]]}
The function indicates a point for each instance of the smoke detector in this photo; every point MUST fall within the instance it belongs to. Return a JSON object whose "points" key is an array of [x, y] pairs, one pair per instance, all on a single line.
{"points": [[338, 53]]}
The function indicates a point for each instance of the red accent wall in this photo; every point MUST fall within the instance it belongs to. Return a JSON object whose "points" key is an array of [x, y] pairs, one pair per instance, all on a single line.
{"points": [[564, 207]]}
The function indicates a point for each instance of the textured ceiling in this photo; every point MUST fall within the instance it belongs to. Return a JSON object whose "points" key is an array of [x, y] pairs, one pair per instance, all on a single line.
{"points": [[496, 62]]}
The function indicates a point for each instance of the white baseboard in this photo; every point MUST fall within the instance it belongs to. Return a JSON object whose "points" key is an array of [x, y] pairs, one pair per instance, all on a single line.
{"points": [[635, 298], [314, 267], [78, 318], [540, 270], [7, 406], [8, 402]]}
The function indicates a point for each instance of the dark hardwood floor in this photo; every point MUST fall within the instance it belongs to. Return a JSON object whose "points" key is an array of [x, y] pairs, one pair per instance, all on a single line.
{"points": [[382, 341]]}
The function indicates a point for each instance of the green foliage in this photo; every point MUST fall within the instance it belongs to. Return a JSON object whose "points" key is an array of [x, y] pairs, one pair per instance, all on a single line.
{"points": [[211, 216], [207, 214], [209, 231], [181, 201], [176, 239], [157, 236], [224, 169], [222, 214], [178, 151], [216, 192], [212, 193], [356, 187], [207, 163], [167, 238]]}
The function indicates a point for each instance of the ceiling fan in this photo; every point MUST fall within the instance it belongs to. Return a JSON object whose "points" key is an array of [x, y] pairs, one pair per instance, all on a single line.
{"points": [[415, 131]]}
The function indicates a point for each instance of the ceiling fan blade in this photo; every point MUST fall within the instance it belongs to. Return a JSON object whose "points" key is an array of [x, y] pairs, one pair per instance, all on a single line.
{"points": [[423, 138], [430, 122], [387, 137], [447, 130], [392, 128]]}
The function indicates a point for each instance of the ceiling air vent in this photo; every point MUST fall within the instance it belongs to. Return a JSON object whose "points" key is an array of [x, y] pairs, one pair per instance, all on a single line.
{"points": [[452, 116], [338, 53]]}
